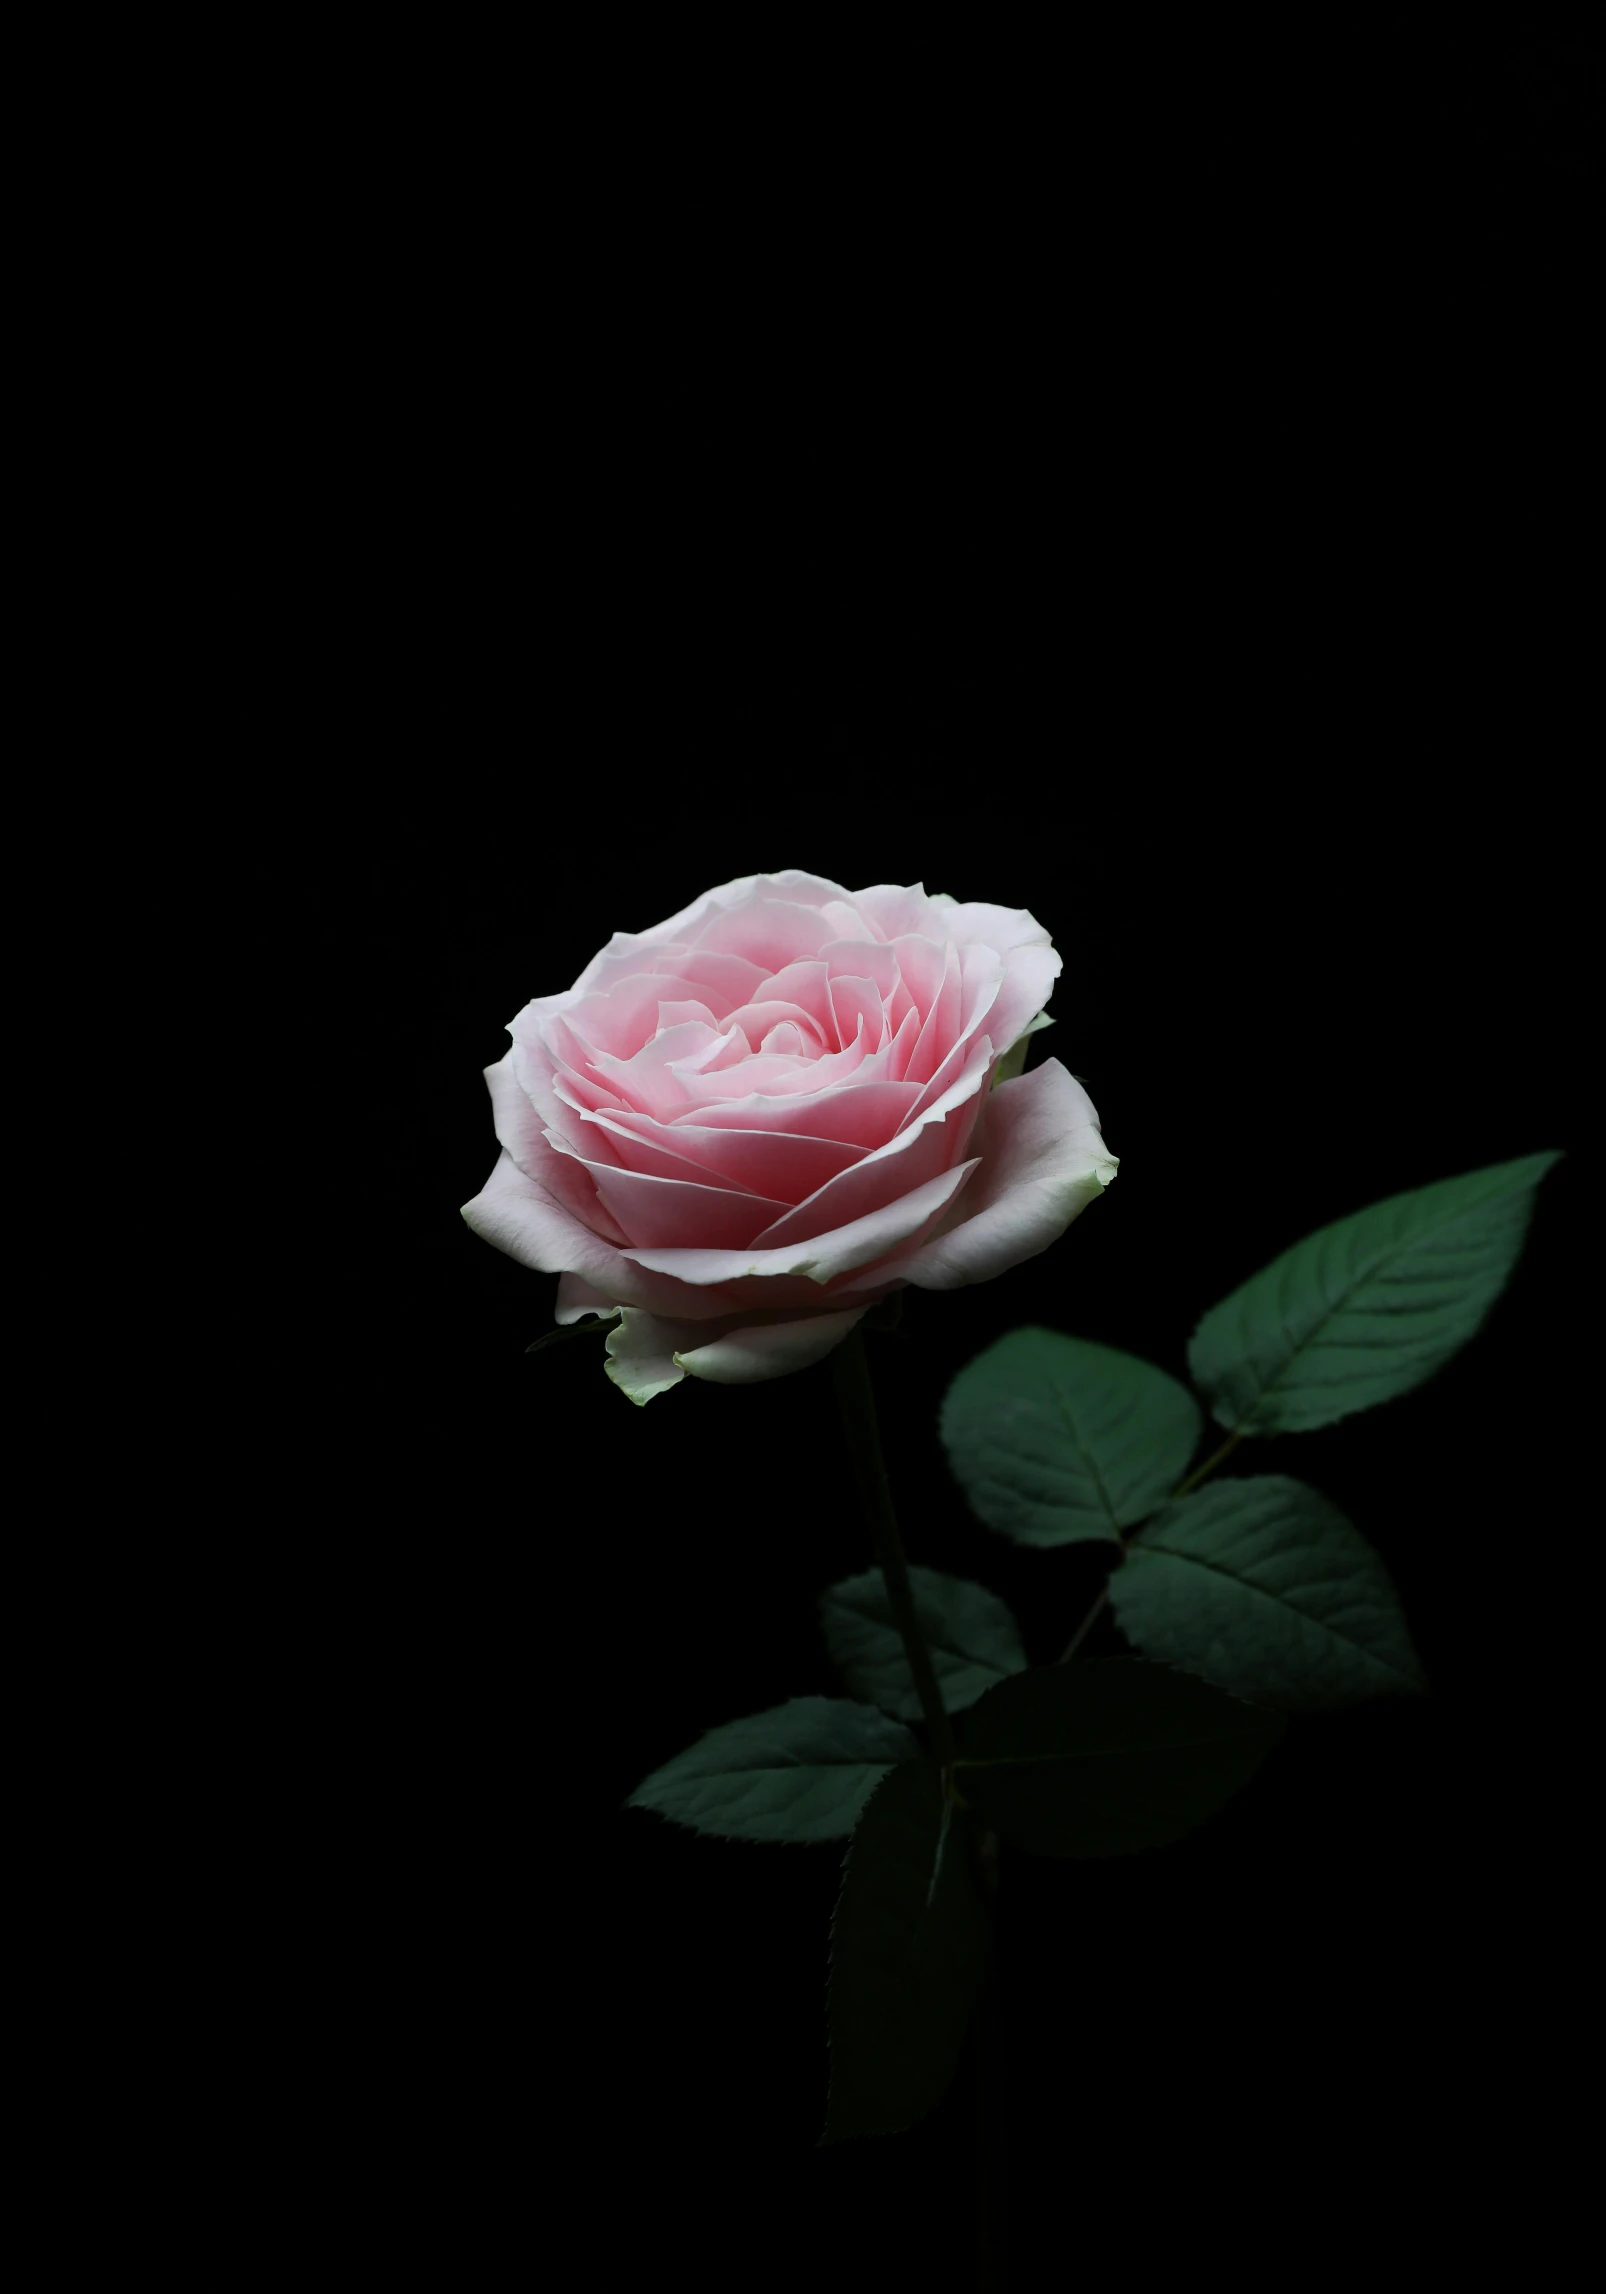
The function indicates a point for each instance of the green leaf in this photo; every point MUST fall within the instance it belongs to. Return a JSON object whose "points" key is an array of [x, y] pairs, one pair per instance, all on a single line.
{"points": [[802, 1771], [911, 1946], [1100, 1759], [1263, 1587], [1368, 1307], [973, 1639], [581, 1329], [1054, 1439]]}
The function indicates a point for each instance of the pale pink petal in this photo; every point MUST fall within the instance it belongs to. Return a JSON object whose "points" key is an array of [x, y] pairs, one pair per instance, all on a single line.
{"points": [[551, 1096], [723, 980], [856, 1002], [891, 910], [862, 960], [963, 1060], [621, 1020], [676, 1015], [782, 1074], [844, 919], [788, 1038], [855, 1114], [650, 1079], [1028, 982], [1042, 1161], [937, 1036], [783, 1165], [931, 1144], [901, 1049], [920, 966], [757, 1018], [824, 1256], [772, 932], [579, 1091], [806, 985], [517, 1122], [635, 1143], [965, 921], [537, 1226], [659, 1212], [767, 1349], [577, 1298]]}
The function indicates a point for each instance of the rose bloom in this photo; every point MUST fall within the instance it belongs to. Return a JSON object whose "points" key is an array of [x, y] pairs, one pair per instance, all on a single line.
{"points": [[748, 1125]]}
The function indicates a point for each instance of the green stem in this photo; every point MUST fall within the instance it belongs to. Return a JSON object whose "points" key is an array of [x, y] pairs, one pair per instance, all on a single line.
{"points": [[990, 2184], [850, 1372], [1199, 1472]]}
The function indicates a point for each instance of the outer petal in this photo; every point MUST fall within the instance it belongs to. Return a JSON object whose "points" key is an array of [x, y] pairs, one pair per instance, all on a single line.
{"points": [[1042, 1162], [768, 1349], [1001, 928], [641, 1353], [524, 1217], [1029, 976], [577, 1299]]}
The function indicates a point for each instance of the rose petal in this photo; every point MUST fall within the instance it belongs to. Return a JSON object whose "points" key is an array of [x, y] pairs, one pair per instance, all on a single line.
{"points": [[767, 1349], [767, 931], [853, 1001], [756, 1019], [621, 1020], [783, 1165], [724, 980], [824, 1256], [966, 921], [854, 1114], [941, 1027], [807, 985], [521, 1136], [659, 1212], [640, 1353], [932, 1143], [891, 910], [1028, 982], [862, 960], [656, 1077], [577, 1298], [529, 1220], [1042, 1161], [626, 949], [777, 1075], [621, 1139]]}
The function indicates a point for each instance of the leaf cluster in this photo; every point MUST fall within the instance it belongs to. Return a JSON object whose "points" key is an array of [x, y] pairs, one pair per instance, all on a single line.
{"points": [[1243, 1602]]}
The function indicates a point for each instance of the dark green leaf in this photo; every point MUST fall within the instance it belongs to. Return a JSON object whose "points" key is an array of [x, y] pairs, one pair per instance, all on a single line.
{"points": [[582, 1329], [887, 1316], [1099, 1759], [1263, 1587], [802, 1771], [1054, 1439], [973, 1639], [910, 1954], [1368, 1307]]}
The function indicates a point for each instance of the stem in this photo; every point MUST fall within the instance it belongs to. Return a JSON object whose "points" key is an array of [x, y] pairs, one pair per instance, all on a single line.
{"points": [[1086, 1626], [1183, 1487], [1209, 1467], [991, 2193], [850, 1372]]}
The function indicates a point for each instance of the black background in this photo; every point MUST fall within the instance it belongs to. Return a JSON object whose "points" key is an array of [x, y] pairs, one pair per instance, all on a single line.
{"points": [[1263, 686]]}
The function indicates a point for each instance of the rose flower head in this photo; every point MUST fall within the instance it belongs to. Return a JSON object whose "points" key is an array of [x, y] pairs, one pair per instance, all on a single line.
{"points": [[751, 1123]]}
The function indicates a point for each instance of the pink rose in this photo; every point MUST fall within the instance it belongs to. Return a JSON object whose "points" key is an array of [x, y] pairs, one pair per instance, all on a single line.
{"points": [[748, 1125]]}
